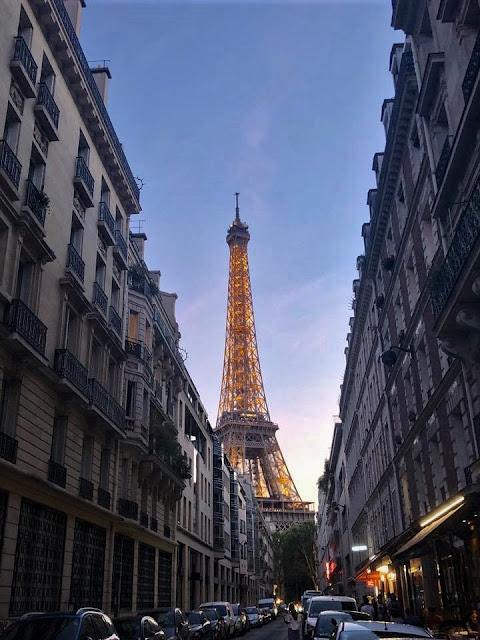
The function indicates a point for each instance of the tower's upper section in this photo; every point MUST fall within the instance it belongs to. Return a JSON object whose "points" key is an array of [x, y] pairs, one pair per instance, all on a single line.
{"points": [[238, 230]]}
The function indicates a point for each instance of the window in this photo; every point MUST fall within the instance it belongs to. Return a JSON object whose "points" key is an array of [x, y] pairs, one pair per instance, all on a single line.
{"points": [[83, 148], [118, 220], [115, 300], [133, 320], [87, 457], [100, 271], [25, 273], [148, 335], [59, 437], [112, 378], [105, 193], [36, 169], [130, 408], [47, 76], [11, 132], [146, 407], [71, 338], [96, 367], [25, 29], [125, 477], [76, 234], [10, 399], [105, 468]]}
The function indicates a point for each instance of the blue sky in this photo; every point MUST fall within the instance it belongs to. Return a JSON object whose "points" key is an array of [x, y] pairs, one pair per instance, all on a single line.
{"points": [[281, 102]]}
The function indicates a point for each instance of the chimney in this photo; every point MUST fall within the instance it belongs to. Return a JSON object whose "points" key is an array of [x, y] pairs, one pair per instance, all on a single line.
{"points": [[155, 276], [74, 9], [139, 240], [102, 75]]}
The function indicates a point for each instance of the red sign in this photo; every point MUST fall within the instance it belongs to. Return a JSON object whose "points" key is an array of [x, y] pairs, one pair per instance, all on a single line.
{"points": [[370, 583]]}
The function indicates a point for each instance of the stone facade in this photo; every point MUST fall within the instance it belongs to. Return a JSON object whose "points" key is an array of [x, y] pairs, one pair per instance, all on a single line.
{"points": [[402, 504]]}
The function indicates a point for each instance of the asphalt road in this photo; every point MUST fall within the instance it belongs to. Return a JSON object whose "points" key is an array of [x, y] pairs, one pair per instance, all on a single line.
{"points": [[275, 630]]}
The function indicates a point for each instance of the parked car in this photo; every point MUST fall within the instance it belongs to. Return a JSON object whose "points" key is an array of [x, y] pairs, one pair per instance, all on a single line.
{"points": [[242, 625], [325, 603], [269, 603], [217, 622], [224, 609], [173, 622], [374, 630], [327, 621], [138, 628], [253, 616], [86, 622], [267, 616], [200, 627]]}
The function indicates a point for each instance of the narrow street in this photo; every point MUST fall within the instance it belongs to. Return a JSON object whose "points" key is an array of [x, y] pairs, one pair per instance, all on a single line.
{"points": [[277, 629]]}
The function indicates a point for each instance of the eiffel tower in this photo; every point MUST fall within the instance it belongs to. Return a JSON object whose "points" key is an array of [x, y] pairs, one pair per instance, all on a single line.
{"points": [[243, 423]]}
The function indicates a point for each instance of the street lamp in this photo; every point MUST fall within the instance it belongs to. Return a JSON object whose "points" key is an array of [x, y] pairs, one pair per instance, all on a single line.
{"points": [[389, 357], [339, 507]]}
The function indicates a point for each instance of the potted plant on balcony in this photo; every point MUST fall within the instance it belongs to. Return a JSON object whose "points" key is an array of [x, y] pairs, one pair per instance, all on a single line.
{"points": [[43, 201]]}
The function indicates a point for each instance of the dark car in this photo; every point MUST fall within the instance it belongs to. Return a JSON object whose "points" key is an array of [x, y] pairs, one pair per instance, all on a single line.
{"points": [[254, 616], [85, 623], [173, 622], [200, 626], [138, 628], [217, 622], [242, 623]]}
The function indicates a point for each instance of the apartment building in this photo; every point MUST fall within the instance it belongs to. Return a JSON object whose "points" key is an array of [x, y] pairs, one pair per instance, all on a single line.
{"points": [[408, 484]]}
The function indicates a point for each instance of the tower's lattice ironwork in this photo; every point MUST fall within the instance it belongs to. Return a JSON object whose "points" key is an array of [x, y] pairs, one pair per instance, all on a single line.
{"points": [[243, 422]]}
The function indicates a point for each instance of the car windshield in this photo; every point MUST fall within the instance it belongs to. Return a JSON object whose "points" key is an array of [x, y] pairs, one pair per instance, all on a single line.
{"points": [[211, 614], [166, 619], [327, 623], [128, 629], [222, 609], [326, 605], [251, 610], [194, 618], [373, 635], [45, 628]]}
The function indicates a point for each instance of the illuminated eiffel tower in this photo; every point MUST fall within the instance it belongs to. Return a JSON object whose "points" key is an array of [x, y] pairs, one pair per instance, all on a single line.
{"points": [[243, 422]]}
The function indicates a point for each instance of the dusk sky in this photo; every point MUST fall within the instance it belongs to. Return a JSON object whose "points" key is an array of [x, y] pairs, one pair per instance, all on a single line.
{"points": [[281, 102]]}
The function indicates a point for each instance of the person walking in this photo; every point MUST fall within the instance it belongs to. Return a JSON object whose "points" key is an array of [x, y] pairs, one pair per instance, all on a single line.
{"points": [[395, 609], [472, 625], [367, 607], [291, 619]]}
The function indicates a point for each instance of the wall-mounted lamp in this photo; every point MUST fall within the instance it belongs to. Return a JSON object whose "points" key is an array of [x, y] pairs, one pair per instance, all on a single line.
{"points": [[339, 507], [389, 357]]}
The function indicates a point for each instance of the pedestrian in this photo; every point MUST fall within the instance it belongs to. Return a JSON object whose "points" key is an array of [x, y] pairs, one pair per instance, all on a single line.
{"points": [[293, 623], [395, 609], [412, 618], [367, 607], [381, 609], [375, 608], [432, 618], [472, 625]]}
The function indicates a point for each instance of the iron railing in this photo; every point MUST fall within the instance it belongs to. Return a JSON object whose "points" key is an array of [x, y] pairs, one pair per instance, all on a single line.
{"points": [[100, 297], [121, 244], [133, 347], [75, 262], [8, 448], [70, 29], [105, 216], [100, 398], [128, 508], [46, 100], [103, 498], [57, 473], [139, 284], [19, 319], [10, 164], [472, 70], [67, 366], [115, 320], [22, 53], [36, 201], [466, 235], [443, 160], [144, 519], [86, 489], [83, 172]]}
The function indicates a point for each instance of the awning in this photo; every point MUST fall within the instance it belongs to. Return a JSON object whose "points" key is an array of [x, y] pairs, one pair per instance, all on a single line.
{"points": [[423, 534]]}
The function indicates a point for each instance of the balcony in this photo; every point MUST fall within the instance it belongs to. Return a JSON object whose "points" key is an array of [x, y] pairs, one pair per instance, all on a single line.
{"points": [[57, 474], [139, 284], [120, 250], [472, 71], [443, 160], [36, 203], [75, 264], [69, 368], [84, 182], [10, 170], [128, 508], [24, 323], [144, 519], [102, 400], [8, 448], [115, 321], [465, 238], [24, 68], [137, 349], [47, 112], [103, 498], [86, 489], [100, 299], [106, 224]]}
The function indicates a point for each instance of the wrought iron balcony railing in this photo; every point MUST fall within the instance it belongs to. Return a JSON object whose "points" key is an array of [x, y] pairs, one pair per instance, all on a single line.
{"points": [[100, 297], [86, 489], [45, 99], [19, 319], [8, 448], [105, 216], [133, 347], [443, 160], [100, 398], [83, 172], [10, 164], [67, 366], [57, 473], [466, 235], [139, 284], [128, 508], [36, 201], [22, 54], [103, 498], [472, 70], [144, 519], [75, 263], [121, 244], [115, 320]]}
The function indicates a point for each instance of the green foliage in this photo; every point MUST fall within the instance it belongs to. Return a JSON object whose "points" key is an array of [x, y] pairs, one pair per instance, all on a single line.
{"points": [[322, 482], [295, 551]]}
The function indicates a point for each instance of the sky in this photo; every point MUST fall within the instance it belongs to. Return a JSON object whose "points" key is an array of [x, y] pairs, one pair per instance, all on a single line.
{"points": [[280, 101]]}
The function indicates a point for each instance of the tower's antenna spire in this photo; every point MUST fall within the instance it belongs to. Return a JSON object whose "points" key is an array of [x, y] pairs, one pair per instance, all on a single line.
{"points": [[237, 210]]}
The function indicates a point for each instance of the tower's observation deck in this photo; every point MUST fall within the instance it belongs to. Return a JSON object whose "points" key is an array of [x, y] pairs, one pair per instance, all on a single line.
{"points": [[243, 423]]}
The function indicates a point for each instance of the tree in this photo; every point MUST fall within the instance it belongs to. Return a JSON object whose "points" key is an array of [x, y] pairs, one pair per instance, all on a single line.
{"points": [[296, 551]]}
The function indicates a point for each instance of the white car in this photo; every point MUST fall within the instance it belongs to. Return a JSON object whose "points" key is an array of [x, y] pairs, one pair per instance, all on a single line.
{"points": [[325, 603], [225, 610], [375, 630]]}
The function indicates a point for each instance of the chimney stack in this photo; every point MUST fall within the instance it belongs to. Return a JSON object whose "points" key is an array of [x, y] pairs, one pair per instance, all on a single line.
{"points": [[102, 75], [139, 240], [74, 9]]}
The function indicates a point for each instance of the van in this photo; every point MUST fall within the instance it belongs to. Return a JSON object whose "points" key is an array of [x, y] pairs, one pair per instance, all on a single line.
{"points": [[306, 597], [325, 603], [225, 610], [268, 603]]}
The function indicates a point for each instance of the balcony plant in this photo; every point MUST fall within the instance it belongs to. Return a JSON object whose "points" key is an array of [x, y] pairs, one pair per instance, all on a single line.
{"points": [[43, 201]]}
